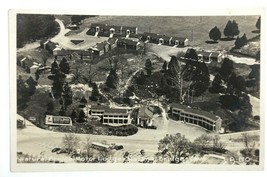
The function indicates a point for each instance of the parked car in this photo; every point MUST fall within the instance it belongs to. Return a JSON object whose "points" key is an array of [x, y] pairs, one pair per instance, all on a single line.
{"points": [[55, 149], [118, 147], [152, 127], [62, 151]]}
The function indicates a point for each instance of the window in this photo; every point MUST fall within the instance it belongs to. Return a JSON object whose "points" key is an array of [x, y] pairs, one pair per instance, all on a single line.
{"points": [[120, 121], [110, 121], [125, 121], [105, 120], [116, 121]]}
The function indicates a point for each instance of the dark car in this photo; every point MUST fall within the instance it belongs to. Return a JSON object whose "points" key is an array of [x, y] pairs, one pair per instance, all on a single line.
{"points": [[118, 147], [152, 127], [62, 151], [56, 149]]}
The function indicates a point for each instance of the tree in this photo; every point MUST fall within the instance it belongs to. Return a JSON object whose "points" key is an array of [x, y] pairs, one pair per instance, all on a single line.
{"points": [[203, 141], [70, 142], [226, 68], [66, 97], [50, 107], [258, 23], [87, 150], [31, 85], [34, 26], [73, 115], [148, 66], [95, 92], [249, 144], [178, 147], [258, 55], [231, 29], [164, 66], [57, 85], [217, 144], [244, 39], [112, 79], [81, 117], [235, 30], [54, 67], [215, 34], [191, 54], [64, 66], [228, 30], [23, 95], [217, 86], [83, 102], [238, 43]]}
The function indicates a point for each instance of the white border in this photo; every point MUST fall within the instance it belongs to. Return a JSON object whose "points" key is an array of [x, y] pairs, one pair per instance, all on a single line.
{"points": [[138, 5]]}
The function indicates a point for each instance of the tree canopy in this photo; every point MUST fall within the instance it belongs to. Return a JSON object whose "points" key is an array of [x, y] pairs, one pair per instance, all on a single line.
{"points": [[34, 27], [258, 23], [215, 34], [231, 29]]}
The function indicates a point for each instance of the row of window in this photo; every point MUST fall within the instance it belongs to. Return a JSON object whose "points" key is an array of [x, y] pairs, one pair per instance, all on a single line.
{"points": [[116, 121], [115, 116], [193, 116], [97, 112], [197, 122]]}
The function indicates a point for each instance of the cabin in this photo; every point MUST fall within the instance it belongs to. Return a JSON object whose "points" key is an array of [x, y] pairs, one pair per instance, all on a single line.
{"points": [[72, 54], [163, 40], [29, 65], [100, 49], [96, 28], [48, 45], [145, 116], [179, 41], [197, 117], [111, 116], [150, 37], [129, 44], [204, 56], [128, 30], [113, 43]]}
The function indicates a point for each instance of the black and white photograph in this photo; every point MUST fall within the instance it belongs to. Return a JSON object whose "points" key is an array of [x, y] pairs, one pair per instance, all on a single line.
{"points": [[166, 91]]}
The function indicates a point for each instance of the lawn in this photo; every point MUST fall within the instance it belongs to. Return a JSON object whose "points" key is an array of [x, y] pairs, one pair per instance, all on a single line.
{"points": [[195, 28]]}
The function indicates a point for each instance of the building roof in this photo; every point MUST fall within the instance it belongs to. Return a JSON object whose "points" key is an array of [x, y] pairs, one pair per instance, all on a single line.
{"points": [[28, 62], [195, 111], [20, 57], [79, 52], [145, 112], [130, 42], [115, 111], [51, 45], [204, 53], [215, 54], [150, 34], [179, 39], [165, 38], [101, 25], [99, 107], [113, 26], [112, 41], [99, 46], [131, 28]]}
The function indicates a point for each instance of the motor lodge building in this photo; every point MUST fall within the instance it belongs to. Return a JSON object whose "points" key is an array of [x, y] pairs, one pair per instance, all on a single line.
{"points": [[111, 116], [194, 116]]}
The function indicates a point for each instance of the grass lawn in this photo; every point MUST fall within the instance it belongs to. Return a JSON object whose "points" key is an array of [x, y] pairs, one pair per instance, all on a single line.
{"points": [[195, 28]]}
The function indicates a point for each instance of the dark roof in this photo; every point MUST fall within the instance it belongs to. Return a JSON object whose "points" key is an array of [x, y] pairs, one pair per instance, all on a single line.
{"points": [[113, 26], [115, 111], [51, 45], [20, 57], [204, 53], [79, 52], [99, 107], [182, 39], [112, 40], [165, 38], [28, 62], [215, 54], [131, 28], [101, 25], [145, 113], [99, 46], [150, 34], [195, 111], [130, 42]]}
